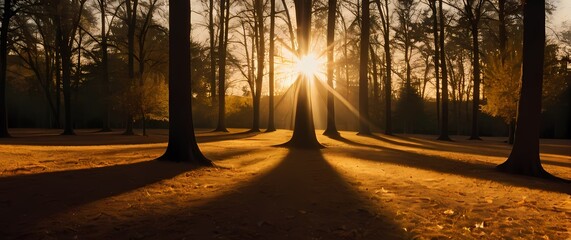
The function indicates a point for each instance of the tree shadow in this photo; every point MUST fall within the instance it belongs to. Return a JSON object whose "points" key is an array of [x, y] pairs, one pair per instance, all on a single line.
{"points": [[474, 169], [463, 147], [89, 138], [223, 136], [27, 199], [303, 197]]}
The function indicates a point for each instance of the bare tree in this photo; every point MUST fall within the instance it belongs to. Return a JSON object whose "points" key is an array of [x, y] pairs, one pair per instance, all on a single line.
{"points": [[364, 128]]}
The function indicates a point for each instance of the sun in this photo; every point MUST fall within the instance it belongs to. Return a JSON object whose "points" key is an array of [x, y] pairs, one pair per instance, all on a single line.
{"points": [[309, 65]]}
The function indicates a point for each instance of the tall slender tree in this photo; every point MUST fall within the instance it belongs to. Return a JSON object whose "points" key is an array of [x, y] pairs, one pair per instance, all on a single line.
{"points": [[304, 129], [212, 52], [260, 54], [182, 146], [7, 14], [66, 16], [434, 9], [444, 126], [331, 129], [105, 88], [524, 157], [131, 20], [364, 128], [385, 26], [222, 46], [473, 11], [271, 126]]}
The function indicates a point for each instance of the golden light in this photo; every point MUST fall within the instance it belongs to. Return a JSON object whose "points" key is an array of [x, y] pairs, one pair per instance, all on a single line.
{"points": [[309, 65]]}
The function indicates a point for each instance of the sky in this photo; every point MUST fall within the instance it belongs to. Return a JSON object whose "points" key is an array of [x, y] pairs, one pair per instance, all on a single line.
{"points": [[562, 13]]}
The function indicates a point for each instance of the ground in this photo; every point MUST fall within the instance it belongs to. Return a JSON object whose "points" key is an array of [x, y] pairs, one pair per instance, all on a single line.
{"points": [[107, 186]]}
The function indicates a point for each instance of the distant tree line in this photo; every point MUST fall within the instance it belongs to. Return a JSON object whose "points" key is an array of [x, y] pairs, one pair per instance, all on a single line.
{"points": [[430, 66]]}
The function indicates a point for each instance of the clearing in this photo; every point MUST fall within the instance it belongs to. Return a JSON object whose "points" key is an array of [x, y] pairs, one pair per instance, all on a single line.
{"points": [[106, 186]]}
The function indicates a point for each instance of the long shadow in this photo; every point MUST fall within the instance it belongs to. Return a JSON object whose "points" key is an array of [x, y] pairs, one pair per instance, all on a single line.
{"points": [[27, 199], [449, 146], [225, 136], [303, 197], [473, 169], [50, 138]]}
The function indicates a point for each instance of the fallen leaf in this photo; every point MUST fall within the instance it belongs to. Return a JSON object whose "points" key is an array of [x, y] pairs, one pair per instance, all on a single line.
{"points": [[449, 212]]}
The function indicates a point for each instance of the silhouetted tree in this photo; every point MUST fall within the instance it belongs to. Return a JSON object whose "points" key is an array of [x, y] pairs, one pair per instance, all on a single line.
{"points": [[304, 130], [364, 128], [260, 54], [331, 129], [222, 47], [444, 126], [182, 146], [434, 9], [271, 126], [385, 26], [7, 14], [524, 157]]}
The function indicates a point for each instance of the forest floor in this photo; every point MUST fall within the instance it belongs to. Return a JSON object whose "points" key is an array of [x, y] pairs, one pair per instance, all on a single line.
{"points": [[106, 186]]}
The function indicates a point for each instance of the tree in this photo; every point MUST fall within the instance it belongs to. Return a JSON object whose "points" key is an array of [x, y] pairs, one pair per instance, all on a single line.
{"points": [[222, 47], [434, 9], [385, 24], [271, 126], [304, 130], [331, 129], [444, 126], [364, 128], [212, 52], [405, 36], [7, 13], [260, 54], [473, 12], [182, 145], [524, 157], [105, 89], [66, 16]]}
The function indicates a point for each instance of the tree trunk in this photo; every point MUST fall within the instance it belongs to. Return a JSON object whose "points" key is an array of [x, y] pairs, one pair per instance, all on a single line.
{"points": [[444, 126], [476, 67], [271, 126], [364, 128], [331, 129], [260, 54], [221, 127], [131, 26], [182, 146], [212, 53], [105, 73], [524, 157], [436, 59], [384, 12], [3, 67], [304, 130]]}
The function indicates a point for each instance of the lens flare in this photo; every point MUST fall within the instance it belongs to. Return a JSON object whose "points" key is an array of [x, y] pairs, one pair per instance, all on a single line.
{"points": [[308, 65]]}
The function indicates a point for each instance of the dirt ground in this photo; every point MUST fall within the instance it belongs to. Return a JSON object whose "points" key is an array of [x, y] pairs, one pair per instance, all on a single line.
{"points": [[106, 186]]}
